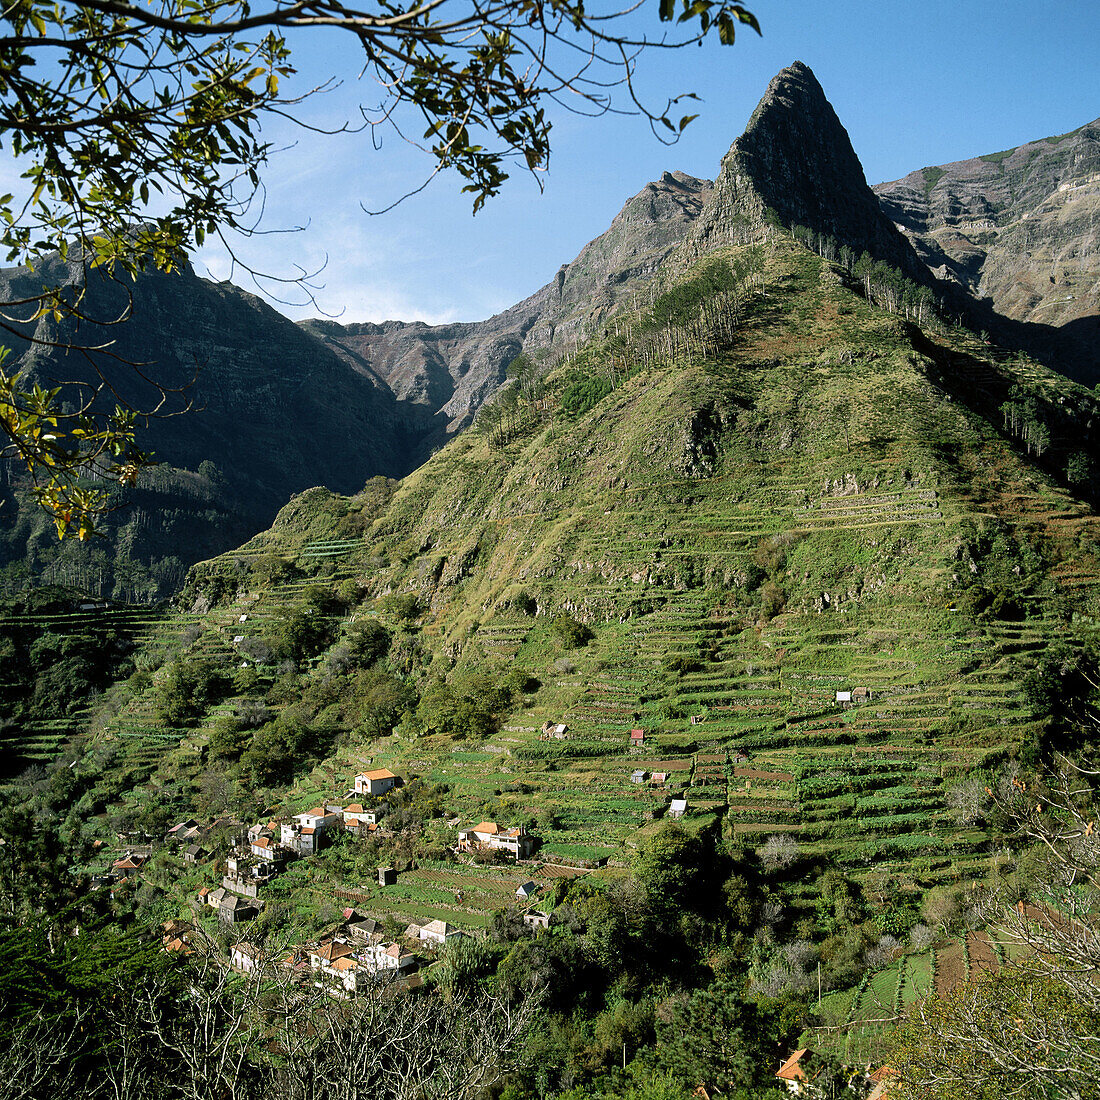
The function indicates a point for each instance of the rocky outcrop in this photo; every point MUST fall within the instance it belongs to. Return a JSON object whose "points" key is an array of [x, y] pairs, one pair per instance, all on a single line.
{"points": [[795, 163]]}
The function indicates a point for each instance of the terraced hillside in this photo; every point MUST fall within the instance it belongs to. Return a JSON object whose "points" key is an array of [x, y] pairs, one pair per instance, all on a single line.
{"points": [[809, 573]]}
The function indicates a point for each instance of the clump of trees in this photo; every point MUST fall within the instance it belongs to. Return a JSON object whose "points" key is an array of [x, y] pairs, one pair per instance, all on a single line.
{"points": [[1031, 1028]]}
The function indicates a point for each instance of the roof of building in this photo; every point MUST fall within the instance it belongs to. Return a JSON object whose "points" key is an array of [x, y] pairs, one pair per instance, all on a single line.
{"points": [[344, 963], [439, 927], [490, 827], [379, 773], [263, 842], [331, 950], [791, 1069], [354, 808], [317, 811]]}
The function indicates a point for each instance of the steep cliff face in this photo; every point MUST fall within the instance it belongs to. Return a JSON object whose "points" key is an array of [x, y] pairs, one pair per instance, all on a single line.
{"points": [[1020, 228], [273, 412], [452, 369], [795, 158]]}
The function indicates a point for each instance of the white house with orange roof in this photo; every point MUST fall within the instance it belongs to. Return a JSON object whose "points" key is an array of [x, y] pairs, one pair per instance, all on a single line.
{"points": [[488, 835], [375, 782], [800, 1072], [265, 848]]}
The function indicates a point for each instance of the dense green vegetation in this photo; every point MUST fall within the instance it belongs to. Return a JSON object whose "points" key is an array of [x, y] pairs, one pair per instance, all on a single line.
{"points": [[784, 533]]}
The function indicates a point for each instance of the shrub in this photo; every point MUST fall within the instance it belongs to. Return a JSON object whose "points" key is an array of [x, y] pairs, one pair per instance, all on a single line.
{"points": [[569, 632]]}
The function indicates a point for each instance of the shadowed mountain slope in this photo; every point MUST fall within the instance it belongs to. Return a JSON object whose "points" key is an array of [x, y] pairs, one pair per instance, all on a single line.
{"points": [[1018, 228]]}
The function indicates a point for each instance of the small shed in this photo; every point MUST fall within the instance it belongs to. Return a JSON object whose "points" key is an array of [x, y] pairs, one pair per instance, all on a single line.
{"points": [[637, 776], [844, 698], [637, 738], [527, 890], [387, 876], [536, 918], [677, 807]]}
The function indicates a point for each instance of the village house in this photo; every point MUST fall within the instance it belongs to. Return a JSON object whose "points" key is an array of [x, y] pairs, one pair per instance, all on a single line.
{"points": [[800, 1071], [881, 1081], [357, 819], [554, 731], [176, 936], [637, 739], [376, 782], [853, 697], [309, 830], [320, 817], [261, 828], [435, 931], [527, 890], [361, 928], [677, 807], [536, 918], [129, 863], [245, 957], [349, 966], [264, 847], [233, 909], [381, 957], [177, 832], [488, 836]]}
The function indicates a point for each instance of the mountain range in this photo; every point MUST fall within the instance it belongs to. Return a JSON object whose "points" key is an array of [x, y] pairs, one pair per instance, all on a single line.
{"points": [[1007, 240]]}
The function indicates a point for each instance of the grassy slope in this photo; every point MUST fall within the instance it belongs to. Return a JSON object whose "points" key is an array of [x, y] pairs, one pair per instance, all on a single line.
{"points": [[819, 447]]}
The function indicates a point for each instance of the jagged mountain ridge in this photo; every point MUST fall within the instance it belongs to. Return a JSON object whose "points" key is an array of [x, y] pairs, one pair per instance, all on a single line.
{"points": [[380, 398], [795, 159], [454, 368], [1017, 227]]}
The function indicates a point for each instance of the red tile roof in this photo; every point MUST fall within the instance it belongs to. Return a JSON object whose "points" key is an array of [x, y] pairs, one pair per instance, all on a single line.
{"points": [[790, 1070]]}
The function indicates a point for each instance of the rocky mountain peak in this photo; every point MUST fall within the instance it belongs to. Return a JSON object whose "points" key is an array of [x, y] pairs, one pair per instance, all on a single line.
{"points": [[796, 159]]}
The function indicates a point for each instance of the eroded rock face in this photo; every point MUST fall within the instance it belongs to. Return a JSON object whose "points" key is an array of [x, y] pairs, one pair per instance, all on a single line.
{"points": [[1020, 228], [452, 369], [795, 158]]}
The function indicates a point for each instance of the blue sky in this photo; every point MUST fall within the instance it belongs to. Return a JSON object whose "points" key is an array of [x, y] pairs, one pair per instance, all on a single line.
{"points": [[914, 85]]}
